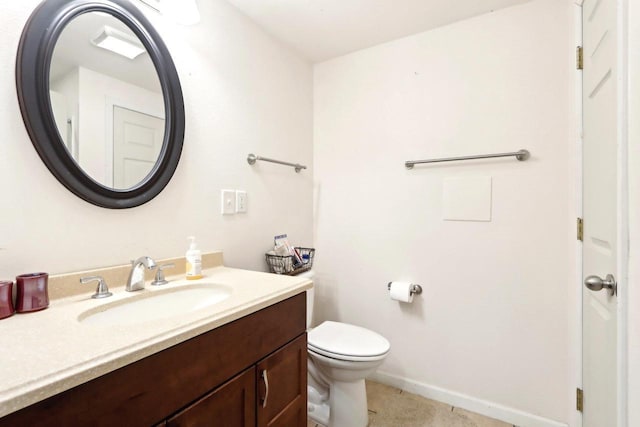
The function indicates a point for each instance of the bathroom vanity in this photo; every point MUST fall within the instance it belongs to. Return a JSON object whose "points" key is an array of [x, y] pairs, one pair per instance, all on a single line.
{"points": [[242, 363]]}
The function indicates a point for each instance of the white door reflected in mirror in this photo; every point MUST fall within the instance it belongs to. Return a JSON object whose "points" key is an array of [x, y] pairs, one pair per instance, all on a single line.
{"points": [[137, 141]]}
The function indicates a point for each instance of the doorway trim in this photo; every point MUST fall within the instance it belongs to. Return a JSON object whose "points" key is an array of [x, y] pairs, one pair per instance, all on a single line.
{"points": [[575, 350]]}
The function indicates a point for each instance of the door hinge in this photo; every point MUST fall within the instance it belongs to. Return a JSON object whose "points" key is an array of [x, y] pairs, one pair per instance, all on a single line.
{"points": [[579, 61], [579, 399], [580, 229]]}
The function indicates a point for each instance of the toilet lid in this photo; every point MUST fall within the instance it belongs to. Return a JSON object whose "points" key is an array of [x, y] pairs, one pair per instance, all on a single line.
{"points": [[343, 339]]}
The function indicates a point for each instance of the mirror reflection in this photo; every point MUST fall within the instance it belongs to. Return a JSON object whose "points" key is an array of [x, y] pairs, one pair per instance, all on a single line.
{"points": [[107, 100]]}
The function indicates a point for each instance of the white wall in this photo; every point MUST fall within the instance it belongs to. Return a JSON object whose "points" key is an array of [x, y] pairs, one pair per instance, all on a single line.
{"points": [[243, 93], [493, 321]]}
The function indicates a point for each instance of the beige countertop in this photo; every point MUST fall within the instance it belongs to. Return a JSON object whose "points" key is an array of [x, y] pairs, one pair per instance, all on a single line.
{"points": [[47, 352]]}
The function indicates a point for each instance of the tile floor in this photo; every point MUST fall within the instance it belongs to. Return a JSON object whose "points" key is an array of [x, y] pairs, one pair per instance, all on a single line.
{"points": [[392, 407]]}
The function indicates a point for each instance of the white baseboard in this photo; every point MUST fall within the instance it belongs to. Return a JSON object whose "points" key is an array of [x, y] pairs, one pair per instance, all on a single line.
{"points": [[473, 404]]}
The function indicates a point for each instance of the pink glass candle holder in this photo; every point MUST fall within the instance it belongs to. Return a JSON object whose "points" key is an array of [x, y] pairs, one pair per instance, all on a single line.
{"points": [[6, 299], [31, 292]]}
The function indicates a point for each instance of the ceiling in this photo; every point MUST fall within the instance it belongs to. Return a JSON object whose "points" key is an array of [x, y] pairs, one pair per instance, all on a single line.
{"points": [[74, 49], [323, 29]]}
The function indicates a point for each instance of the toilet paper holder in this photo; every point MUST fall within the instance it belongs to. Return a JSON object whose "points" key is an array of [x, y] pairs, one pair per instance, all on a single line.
{"points": [[415, 289]]}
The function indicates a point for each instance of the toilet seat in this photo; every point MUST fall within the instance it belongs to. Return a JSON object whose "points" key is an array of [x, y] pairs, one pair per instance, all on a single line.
{"points": [[347, 342], [345, 358]]}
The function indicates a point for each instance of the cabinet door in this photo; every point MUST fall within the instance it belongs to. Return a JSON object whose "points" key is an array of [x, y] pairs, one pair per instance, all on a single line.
{"points": [[230, 405], [282, 386]]}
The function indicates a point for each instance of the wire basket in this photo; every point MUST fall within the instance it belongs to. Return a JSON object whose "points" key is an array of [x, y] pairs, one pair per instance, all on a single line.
{"points": [[287, 264]]}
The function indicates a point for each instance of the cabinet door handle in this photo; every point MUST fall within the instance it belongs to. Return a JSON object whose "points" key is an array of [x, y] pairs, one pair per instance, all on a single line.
{"points": [[266, 388]]}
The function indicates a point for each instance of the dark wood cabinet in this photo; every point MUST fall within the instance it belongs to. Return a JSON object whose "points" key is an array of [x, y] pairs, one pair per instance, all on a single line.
{"points": [[282, 385], [214, 379], [231, 405]]}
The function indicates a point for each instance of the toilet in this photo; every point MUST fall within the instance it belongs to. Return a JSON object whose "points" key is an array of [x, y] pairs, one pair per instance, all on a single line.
{"points": [[341, 356]]}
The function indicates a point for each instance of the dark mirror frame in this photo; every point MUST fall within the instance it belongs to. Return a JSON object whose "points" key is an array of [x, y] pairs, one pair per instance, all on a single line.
{"points": [[35, 50]]}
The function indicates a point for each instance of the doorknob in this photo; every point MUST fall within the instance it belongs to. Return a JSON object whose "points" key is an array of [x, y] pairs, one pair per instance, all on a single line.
{"points": [[595, 283]]}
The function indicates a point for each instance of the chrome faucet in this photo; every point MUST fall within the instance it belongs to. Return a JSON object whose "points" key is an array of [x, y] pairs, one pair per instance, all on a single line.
{"points": [[136, 276]]}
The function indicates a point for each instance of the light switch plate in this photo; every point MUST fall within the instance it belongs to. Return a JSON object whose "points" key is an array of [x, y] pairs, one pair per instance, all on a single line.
{"points": [[241, 201], [228, 202]]}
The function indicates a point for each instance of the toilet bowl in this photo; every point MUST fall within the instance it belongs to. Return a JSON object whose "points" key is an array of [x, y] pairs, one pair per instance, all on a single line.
{"points": [[341, 356]]}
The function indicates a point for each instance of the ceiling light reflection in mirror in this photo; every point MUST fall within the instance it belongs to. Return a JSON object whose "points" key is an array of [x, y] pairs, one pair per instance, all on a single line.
{"points": [[118, 42], [107, 100]]}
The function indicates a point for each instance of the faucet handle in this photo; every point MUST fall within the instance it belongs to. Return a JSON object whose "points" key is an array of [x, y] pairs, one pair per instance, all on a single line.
{"points": [[160, 280], [102, 291]]}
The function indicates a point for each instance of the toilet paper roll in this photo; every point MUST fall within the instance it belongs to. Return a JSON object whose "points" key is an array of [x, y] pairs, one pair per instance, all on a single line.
{"points": [[401, 291]]}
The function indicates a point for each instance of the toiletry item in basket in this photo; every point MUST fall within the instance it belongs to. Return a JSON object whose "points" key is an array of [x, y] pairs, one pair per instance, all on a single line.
{"points": [[282, 243], [193, 261], [281, 250]]}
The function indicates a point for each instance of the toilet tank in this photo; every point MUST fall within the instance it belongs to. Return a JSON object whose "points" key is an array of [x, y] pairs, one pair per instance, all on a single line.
{"points": [[309, 275]]}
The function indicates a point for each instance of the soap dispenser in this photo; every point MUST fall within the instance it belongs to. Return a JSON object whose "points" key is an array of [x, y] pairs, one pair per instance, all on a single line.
{"points": [[194, 260]]}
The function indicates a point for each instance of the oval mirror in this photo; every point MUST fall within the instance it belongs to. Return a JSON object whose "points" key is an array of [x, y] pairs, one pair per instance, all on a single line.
{"points": [[101, 100]]}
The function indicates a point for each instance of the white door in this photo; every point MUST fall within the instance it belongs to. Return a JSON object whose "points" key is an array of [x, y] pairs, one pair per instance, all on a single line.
{"points": [[599, 353], [137, 141]]}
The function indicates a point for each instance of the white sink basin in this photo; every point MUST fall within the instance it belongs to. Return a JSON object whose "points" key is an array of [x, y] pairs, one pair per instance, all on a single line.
{"points": [[157, 305]]}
